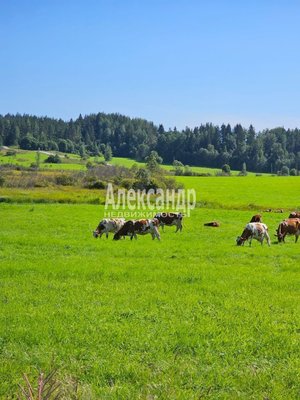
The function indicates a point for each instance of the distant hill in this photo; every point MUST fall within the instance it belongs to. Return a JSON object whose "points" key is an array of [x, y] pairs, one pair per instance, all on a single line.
{"points": [[208, 145]]}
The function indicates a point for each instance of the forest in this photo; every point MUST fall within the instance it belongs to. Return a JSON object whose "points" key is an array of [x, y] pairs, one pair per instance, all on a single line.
{"points": [[271, 150]]}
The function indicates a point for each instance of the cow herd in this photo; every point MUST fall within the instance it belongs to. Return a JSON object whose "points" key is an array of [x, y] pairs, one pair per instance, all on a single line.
{"points": [[255, 229], [121, 228]]}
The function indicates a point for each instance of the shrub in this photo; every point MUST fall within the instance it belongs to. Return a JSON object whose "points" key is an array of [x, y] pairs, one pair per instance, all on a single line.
{"points": [[226, 169], [187, 171], [11, 153], [285, 171], [96, 185], [89, 165], [293, 172], [2, 180], [127, 183], [53, 159], [64, 180]]}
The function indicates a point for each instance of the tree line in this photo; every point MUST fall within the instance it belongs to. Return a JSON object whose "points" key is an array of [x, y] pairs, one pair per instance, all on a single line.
{"points": [[206, 145]]}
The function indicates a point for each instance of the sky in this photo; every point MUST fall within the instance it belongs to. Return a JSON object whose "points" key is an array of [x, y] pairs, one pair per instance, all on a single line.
{"points": [[177, 63]]}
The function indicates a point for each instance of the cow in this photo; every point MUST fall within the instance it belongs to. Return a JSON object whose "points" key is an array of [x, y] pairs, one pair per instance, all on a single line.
{"points": [[108, 225], [254, 230], [290, 226], [214, 224], [141, 227], [294, 214], [256, 218], [169, 219]]}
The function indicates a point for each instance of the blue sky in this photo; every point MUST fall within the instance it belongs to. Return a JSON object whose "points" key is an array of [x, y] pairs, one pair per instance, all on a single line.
{"points": [[179, 63]]}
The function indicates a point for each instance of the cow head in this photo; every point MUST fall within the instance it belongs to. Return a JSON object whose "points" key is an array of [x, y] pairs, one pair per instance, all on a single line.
{"points": [[99, 231], [155, 221], [240, 241], [279, 232], [279, 236]]}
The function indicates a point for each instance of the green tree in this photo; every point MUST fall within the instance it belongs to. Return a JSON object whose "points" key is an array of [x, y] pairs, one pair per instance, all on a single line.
{"points": [[108, 153], [244, 169], [82, 151], [38, 159], [285, 170], [178, 167], [153, 161]]}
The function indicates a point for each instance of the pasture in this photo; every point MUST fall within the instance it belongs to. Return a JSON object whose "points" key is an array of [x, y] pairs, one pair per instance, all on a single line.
{"points": [[193, 316], [25, 158]]}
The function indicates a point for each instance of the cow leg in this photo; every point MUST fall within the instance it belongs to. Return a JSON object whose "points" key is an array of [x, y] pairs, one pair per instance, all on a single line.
{"points": [[268, 238], [156, 234], [134, 235], [296, 238], [250, 241], [106, 235]]}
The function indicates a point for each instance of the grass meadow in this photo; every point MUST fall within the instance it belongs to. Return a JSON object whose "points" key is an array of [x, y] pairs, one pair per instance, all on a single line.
{"points": [[73, 162], [190, 317]]}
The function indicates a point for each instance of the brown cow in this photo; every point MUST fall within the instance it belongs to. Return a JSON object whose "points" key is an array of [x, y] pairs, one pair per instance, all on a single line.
{"points": [[256, 218], [294, 214], [140, 227], [169, 219], [290, 226], [215, 224]]}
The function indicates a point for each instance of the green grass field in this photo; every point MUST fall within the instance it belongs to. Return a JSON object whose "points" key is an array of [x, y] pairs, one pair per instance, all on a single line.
{"points": [[190, 317], [26, 157]]}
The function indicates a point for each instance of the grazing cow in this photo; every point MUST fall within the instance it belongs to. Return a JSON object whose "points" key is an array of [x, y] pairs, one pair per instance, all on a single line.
{"points": [[169, 219], [256, 218], [140, 227], [108, 225], [294, 214], [290, 226], [254, 230]]}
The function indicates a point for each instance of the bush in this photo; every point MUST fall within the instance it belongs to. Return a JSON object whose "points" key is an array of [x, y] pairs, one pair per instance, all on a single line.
{"points": [[89, 165], [127, 183], [2, 180], [64, 180], [11, 153], [53, 159], [96, 185], [226, 169], [293, 172], [285, 171]]}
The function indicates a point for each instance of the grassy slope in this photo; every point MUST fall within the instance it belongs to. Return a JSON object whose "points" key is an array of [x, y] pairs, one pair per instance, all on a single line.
{"points": [[26, 157]]}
